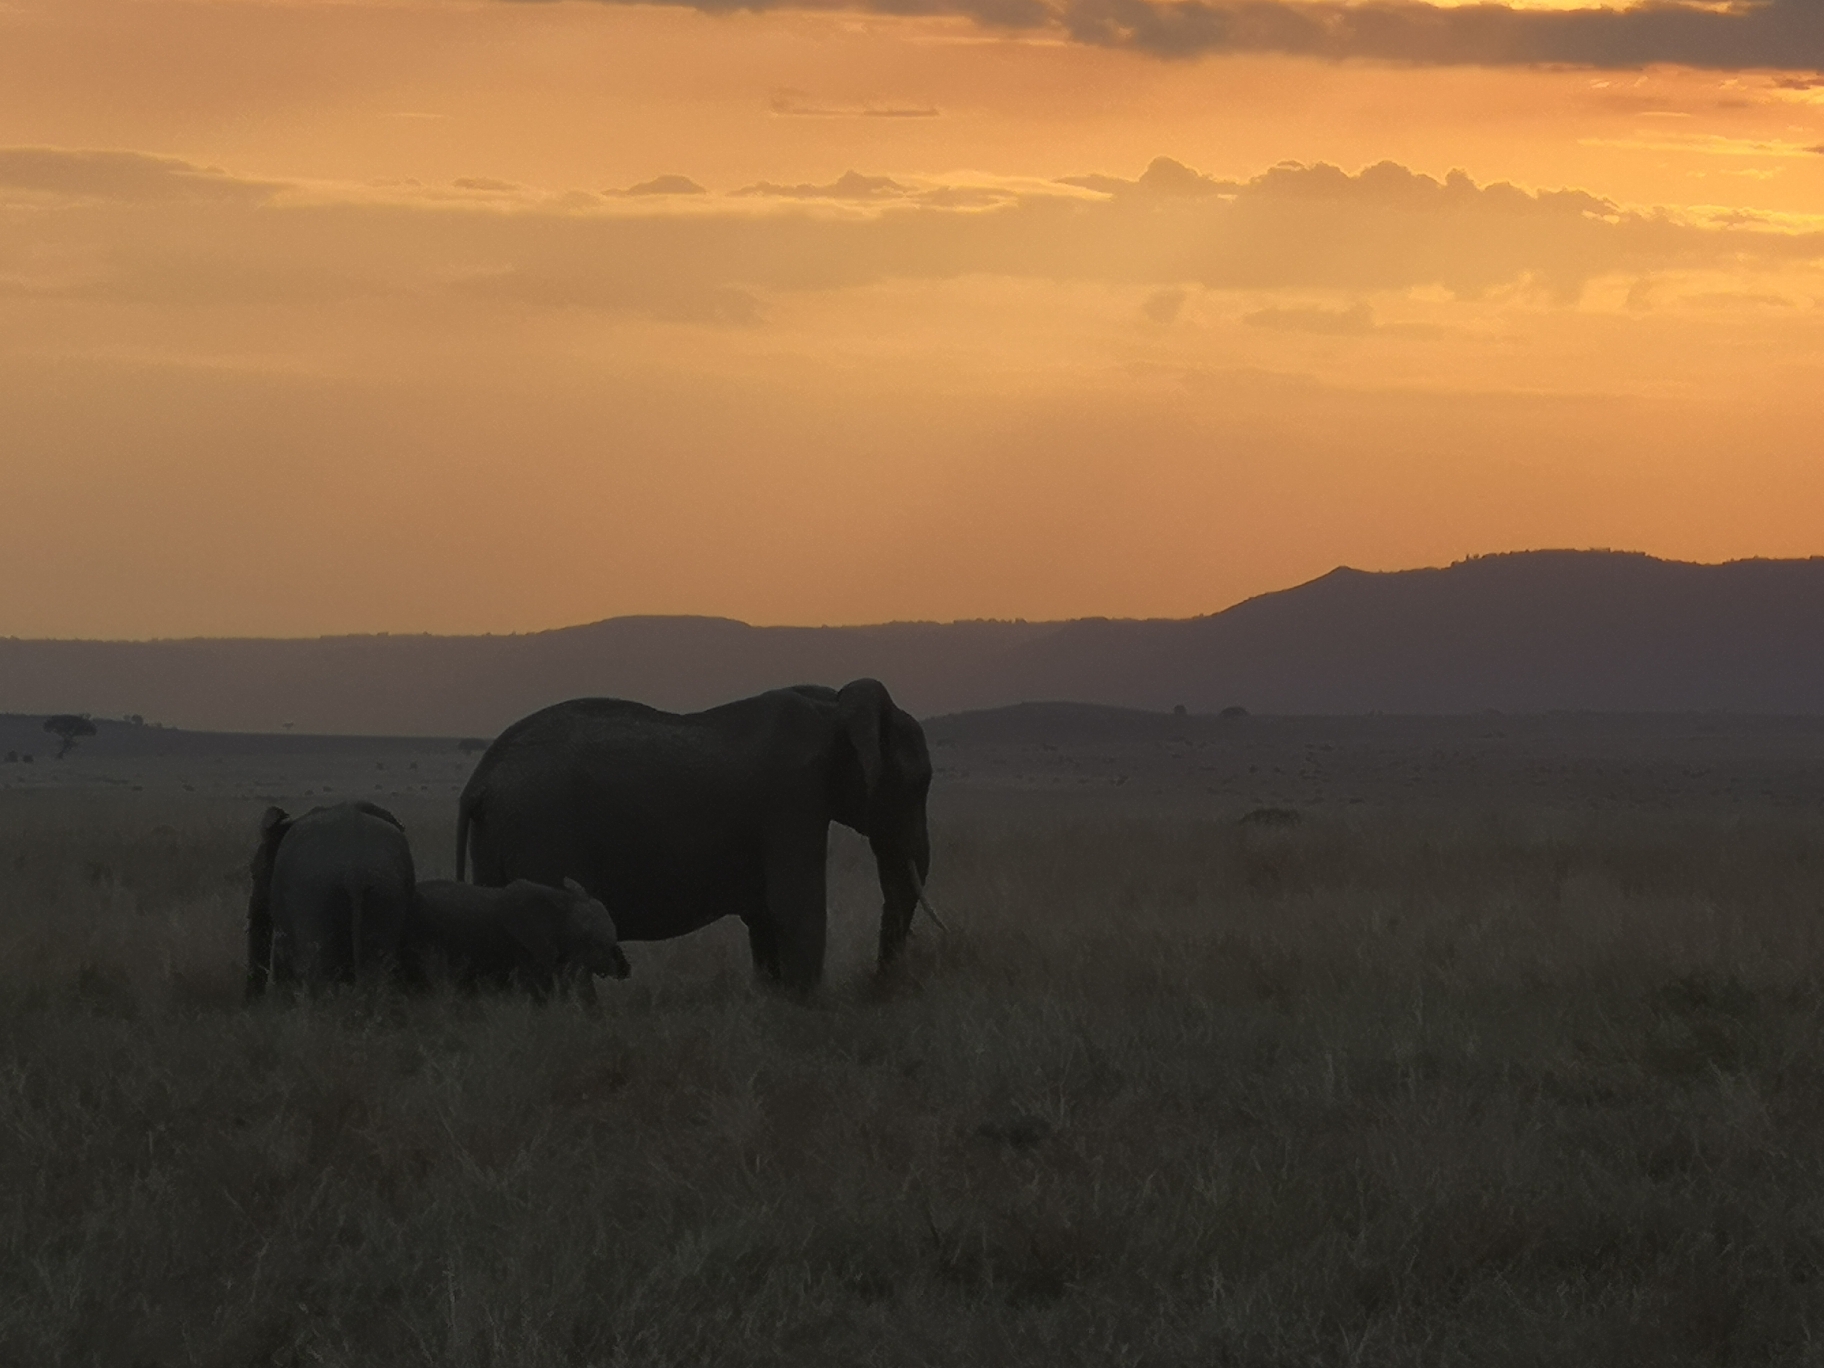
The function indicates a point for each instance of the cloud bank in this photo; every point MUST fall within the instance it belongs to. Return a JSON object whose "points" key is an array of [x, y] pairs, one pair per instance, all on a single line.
{"points": [[158, 228]]}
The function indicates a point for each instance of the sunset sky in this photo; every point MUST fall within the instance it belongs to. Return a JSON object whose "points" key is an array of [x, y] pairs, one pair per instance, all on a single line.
{"points": [[486, 315]]}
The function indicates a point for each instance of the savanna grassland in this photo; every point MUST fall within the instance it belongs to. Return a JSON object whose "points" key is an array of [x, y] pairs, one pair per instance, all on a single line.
{"points": [[1510, 1050]]}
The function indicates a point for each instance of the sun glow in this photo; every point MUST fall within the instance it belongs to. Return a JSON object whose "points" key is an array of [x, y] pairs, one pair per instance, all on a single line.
{"points": [[497, 316]]}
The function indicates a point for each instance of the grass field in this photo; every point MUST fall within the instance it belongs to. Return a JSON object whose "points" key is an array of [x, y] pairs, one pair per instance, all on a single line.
{"points": [[1502, 1082]]}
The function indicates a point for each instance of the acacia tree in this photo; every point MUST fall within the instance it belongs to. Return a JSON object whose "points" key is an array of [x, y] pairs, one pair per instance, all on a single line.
{"points": [[67, 728]]}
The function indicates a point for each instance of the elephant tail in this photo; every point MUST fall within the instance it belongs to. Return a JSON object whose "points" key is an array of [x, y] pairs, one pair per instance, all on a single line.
{"points": [[273, 827], [259, 945], [465, 814], [357, 904]]}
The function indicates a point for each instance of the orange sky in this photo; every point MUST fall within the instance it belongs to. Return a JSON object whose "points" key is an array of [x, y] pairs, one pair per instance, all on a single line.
{"points": [[334, 315]]}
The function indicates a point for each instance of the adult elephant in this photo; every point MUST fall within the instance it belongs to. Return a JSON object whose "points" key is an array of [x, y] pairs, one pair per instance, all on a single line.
{"points": [[675, 821], [331, 894]]}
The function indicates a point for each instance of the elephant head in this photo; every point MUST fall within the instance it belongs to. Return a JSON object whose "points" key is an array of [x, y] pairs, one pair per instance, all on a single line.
{"points": [[886, 801], [587, 936]]}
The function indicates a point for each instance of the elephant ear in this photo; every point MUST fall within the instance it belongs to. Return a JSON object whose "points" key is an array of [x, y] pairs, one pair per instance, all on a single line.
{"points": [[861, 710]]}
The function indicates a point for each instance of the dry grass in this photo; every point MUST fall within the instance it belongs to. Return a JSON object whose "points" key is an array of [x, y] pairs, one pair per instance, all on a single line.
{"points": [[1534, 1089]]}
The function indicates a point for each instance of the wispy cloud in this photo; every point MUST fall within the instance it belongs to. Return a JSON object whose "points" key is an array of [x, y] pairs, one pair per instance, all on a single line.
{"points": [[795, 104], [121, 176], [1163, 179], [851, 185], [1711, 145], [1351, 322]]}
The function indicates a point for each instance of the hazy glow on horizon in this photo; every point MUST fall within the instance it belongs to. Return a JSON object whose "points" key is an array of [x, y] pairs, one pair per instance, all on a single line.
{"points": [[474, 315]]}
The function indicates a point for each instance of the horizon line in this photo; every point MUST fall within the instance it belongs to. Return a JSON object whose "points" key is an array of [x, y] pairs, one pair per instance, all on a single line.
{"points": [[1467, 559]]}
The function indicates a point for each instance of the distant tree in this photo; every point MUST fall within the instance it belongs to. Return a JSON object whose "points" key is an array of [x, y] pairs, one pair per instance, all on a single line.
{"points": [[1233, 710], [134, 720], [470, 744], [67, 728], [1180, 710]]}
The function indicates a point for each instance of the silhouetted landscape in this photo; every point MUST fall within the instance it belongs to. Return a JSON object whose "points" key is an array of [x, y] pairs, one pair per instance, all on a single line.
{"points": [[736, 684], [1526, 632], [1481, 1028]]}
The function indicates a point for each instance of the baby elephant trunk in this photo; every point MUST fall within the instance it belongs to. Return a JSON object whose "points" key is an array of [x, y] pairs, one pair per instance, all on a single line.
{"points": [[594, 942]]}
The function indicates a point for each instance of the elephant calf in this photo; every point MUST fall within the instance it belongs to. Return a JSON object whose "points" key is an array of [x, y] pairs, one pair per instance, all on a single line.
{"points": [[331, 891], [525, 934]]}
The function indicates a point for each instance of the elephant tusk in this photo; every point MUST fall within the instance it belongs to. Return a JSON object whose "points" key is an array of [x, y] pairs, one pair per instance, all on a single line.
{"points": [[931, 912], [918, 889]]}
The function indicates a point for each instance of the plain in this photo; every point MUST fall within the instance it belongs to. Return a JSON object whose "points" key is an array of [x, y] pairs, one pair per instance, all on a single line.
{"points": [[1509, 1050]]}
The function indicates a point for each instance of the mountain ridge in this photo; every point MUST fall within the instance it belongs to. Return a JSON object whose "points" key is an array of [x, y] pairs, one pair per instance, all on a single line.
{"points": [[1520, 631]]}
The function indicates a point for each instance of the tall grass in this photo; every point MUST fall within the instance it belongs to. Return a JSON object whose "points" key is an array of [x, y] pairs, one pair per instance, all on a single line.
{"points": [[1525, 1089]]}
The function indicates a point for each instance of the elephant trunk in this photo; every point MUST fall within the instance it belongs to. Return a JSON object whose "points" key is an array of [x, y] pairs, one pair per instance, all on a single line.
{"points": [[918, 891], [905, 895]]}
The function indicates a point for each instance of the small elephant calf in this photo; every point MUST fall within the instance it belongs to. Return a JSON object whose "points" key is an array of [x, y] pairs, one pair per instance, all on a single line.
{"points": [[526, 934]]}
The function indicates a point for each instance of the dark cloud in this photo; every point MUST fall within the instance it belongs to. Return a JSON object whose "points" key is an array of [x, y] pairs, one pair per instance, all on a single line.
{"points": [[1785, 35], [129, 176], [1780, 34], [1004, 14]]}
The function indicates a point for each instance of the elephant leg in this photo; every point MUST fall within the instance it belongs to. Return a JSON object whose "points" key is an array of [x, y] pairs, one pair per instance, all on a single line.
{"points": [[319, 954], [801, 954], [381, 951], [799, 920], [764, 945], [796, 909], [284, 968]]}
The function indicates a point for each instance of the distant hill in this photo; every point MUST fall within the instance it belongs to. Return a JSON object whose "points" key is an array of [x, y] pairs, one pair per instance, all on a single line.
{"points": [[1526, 632]]}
